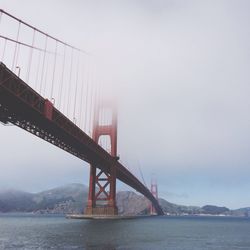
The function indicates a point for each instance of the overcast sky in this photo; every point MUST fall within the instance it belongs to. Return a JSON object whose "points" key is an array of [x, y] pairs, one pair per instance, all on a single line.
{"points": [[180, 72]]}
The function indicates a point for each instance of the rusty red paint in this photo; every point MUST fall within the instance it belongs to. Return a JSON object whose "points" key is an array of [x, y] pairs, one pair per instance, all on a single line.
{"points": [[104, 181], [48, 109]]}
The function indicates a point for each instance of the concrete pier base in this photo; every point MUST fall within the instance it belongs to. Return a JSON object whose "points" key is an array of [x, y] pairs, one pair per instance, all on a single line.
{"points": [[101, 217], [101, 211]]}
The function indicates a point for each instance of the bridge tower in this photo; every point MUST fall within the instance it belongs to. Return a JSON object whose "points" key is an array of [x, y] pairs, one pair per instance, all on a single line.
{"points": [[102, 185], [154, 191]]}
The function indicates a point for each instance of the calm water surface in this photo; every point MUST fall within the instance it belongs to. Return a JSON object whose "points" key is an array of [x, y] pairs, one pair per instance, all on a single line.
{"points": [[189, 233]]}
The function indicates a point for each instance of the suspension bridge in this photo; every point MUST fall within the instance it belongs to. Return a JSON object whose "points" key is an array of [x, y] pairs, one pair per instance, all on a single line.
{"points": [[49, 88]]}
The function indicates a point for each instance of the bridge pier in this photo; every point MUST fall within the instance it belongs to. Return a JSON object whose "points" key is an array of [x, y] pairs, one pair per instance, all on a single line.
{"points": [[154, 192], [101, 201], [102, 184], [101, 211]]}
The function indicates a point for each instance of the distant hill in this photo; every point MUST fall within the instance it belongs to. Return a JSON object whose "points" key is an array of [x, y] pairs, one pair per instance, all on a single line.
{"points": [[214, 210], [240, 212], [72, 198], [14, 200], [66, 199]]}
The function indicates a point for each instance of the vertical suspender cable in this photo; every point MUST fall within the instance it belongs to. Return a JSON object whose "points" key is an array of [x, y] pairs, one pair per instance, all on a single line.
{"points": [[86, 101], [77, 74], [17, 57], [90, 105], [81, 92], [53, 75], [30, 57], [46, 75], [94, 107], [4, 49], [99, 98], [86, 108], [62, 78], [14, 58], [94, 97], [98, 103], [100, 108], [38, 69], [43, 65], [70, 74]]}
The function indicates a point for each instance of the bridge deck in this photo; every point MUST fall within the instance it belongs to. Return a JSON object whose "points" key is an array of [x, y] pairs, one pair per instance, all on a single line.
{"points": [[25, 108]]}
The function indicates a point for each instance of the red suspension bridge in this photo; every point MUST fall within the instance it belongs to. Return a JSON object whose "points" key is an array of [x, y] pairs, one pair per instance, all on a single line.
{"points": [[73, 117]]}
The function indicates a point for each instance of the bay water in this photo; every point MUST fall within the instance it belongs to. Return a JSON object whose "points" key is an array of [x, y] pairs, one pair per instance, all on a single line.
{"points": [[28, 231]]}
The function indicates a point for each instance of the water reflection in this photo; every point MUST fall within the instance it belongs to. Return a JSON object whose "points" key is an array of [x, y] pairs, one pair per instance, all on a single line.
{"points": [[102, 234]]}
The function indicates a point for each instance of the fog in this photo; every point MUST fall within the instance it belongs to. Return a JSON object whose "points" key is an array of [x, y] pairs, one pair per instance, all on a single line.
{"points": [[179, 71]]}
